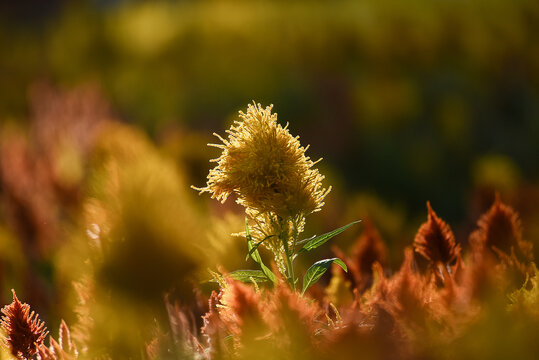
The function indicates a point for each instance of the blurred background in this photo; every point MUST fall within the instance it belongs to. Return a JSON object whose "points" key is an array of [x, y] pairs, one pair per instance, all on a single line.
{"points": [[407, 102]]}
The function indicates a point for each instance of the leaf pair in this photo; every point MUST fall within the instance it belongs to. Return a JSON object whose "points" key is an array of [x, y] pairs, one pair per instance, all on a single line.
{"points": [[315, 272]]}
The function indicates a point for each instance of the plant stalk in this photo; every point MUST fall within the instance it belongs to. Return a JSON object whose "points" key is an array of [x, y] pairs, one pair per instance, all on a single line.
{"points": [[289, 262]]}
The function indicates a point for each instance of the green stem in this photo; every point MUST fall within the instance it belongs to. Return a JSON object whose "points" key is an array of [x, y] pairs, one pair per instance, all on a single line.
{"points": [[290, 265], [292, 257]]}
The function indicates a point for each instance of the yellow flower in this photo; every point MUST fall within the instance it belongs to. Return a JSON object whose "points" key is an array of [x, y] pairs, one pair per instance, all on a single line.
{"points": [[266, 168]]}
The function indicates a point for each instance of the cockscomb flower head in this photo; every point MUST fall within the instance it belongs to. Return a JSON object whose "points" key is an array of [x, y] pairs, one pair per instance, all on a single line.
{"points": [[500, 228], [265, 167], [24, 332], [435, 241]]}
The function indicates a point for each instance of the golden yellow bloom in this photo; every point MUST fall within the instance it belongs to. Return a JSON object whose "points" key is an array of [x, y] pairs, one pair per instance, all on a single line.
{"points": [[266, 168]]}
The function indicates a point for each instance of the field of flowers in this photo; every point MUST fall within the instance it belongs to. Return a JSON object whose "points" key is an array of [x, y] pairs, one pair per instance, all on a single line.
{"points": [[385, 207]]}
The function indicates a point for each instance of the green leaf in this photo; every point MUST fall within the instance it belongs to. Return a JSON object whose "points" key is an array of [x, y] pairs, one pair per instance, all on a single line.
{"points": [[255, 255], [318, 269], [305, 240], [322, 239], [248, 276], [255, 247]]}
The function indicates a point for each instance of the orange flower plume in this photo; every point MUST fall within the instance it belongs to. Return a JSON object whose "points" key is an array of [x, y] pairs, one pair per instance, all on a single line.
{"points": [[500, 230], [24, 332], [435, 241]]}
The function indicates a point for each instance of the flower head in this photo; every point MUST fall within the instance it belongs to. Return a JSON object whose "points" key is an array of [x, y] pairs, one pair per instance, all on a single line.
{"points": [[265, 167], [500, 228], [435, 240], [24, 331]]}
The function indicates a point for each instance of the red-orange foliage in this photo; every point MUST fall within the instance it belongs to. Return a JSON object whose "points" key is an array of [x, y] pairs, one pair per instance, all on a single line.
{"points": [[35, 185], [294, 319], [368, 249], [242, 314], [28, 195], [63, 349], [184, 328], [392, 317], [499, 236], [213, 327], [409, 295]]}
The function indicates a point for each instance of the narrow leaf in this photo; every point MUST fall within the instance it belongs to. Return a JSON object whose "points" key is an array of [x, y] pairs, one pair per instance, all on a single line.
{"points": [[318, 269], [305, 240], [255, 255], [248, 276], [322, 239], [255, 247]]}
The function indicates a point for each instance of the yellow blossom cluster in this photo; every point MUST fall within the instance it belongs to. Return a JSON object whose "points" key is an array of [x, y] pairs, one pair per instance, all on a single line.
{"points": [[266, 168]]}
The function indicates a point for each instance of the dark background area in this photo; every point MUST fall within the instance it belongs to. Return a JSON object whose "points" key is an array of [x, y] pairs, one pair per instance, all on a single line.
{"points": [[406, 102]]}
